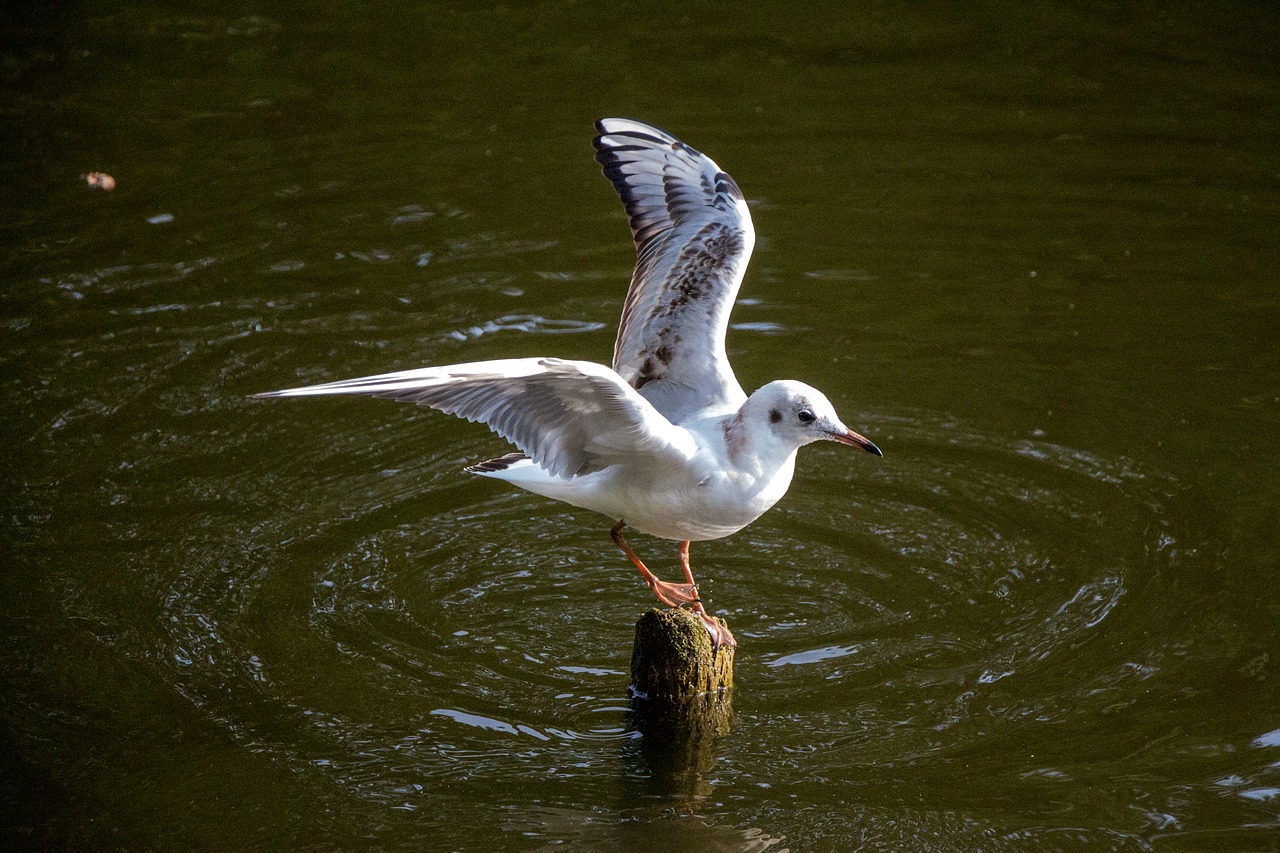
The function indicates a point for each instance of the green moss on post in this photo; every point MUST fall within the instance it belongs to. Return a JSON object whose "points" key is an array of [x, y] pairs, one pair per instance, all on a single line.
{"points": [[673, 662], [682, 700]]}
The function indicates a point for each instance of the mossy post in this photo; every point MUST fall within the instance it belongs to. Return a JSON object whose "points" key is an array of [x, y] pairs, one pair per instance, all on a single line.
{"points": [[673, 662], [681, 699]]}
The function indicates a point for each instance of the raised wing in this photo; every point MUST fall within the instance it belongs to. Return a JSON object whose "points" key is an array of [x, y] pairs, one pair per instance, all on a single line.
{"points": [[693, 237], [570, 417]]}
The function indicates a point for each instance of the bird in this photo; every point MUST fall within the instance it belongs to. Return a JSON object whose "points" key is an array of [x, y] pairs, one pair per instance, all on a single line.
{"points": [[664, 441]]}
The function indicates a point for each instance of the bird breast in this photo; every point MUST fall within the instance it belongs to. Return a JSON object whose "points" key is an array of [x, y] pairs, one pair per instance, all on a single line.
{"points": [[712, 506]]}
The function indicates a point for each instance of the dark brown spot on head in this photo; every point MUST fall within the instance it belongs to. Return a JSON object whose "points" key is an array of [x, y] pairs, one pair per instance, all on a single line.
{"points": [[774, 416]]}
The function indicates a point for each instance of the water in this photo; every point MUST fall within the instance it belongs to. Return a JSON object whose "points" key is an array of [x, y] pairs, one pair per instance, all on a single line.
{"points": [[1030, 253]]}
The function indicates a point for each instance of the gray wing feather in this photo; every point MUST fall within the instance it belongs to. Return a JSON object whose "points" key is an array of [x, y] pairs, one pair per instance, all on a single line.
{"points": [[570, 417], [693, 236]]}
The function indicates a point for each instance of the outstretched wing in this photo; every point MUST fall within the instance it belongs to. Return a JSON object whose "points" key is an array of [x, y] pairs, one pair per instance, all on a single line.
{"points": [[569, 417], [693, 237]]}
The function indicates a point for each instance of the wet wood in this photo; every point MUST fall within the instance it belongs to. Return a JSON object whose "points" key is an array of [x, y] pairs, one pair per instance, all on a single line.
{"points": [[672, 660], [681, 702]]}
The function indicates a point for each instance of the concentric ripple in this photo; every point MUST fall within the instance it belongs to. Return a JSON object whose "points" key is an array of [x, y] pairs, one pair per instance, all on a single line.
{"points": [[972, 587], [967, 584]]}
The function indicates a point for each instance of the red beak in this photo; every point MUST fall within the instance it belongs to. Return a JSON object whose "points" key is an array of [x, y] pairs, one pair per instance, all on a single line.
{"points": [[852, 439]]}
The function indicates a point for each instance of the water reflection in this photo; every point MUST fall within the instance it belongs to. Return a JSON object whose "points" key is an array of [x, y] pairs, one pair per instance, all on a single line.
{"points": [[253, 629], [656, 827], [527, 323], [464, 643], [380, 624]]}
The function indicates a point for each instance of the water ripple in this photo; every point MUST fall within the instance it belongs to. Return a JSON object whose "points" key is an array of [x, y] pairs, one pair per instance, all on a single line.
{"points": [[528, 323]]}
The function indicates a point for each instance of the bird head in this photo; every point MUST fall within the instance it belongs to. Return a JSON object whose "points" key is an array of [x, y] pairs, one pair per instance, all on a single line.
{"points": [[798, 414]]}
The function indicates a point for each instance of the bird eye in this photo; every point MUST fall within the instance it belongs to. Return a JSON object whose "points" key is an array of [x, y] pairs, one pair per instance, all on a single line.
{"points": [[806, 416]]}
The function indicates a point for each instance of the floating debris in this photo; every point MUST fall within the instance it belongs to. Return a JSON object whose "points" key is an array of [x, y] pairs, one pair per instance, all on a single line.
{"points": [[100, 181]]}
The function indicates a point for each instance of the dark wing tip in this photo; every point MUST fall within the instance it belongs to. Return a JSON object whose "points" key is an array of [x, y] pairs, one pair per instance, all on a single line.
{"points": [[726, 185], [606, 126], [500, 463], [648, 135]]}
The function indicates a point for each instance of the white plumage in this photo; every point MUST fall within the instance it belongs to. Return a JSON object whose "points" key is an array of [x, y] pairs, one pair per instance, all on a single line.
{"points": [[665, 441]]}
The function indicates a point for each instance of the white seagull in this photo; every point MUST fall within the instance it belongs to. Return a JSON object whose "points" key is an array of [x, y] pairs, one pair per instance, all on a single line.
{"points": [[665, 441]]}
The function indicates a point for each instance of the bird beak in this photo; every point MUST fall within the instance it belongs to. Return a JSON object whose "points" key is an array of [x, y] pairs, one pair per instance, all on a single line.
{"points": [[852, 439]]}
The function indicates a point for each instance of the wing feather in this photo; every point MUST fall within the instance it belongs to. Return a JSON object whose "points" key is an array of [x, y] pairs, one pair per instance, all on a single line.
{"points": [[569, 417], [693, 237]]}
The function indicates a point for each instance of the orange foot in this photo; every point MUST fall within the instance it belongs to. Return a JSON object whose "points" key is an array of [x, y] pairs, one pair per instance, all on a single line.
{"points": [[673, 594], [720, 635]]}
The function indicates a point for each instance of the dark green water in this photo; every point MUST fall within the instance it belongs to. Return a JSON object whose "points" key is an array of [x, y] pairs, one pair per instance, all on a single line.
{"points": [[1031, 251]]}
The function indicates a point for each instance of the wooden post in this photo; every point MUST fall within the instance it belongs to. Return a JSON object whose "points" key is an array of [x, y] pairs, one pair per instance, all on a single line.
{"points": [[672, 661], [681, 701]]}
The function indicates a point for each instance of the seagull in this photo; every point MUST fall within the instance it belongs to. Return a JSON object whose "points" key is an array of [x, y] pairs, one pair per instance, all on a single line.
{"points": [[665, 441]]}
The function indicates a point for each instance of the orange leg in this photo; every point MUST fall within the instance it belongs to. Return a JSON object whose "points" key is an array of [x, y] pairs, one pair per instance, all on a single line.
{"points": [[675, 594], [670, 594], [720, 635], [684, 562]]}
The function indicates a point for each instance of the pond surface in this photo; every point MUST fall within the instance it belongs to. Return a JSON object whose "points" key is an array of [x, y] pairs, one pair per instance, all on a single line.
{"points": [[1030, 252]]}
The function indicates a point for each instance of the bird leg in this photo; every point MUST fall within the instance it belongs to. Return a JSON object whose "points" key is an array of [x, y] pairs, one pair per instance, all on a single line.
{"points": [[670, 594], [683, 550], [675, 594], [720, 635]]}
